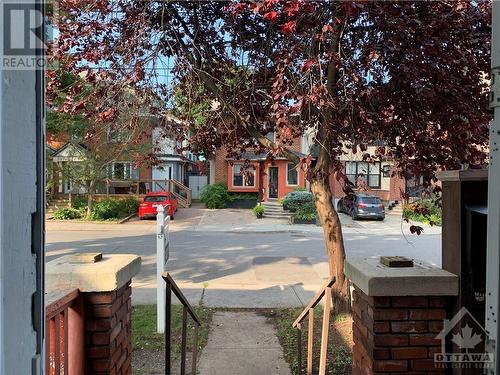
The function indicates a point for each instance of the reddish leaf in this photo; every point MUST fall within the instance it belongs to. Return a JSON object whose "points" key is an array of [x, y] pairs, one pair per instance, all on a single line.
{"points": [[289, 27], [271, 16]]}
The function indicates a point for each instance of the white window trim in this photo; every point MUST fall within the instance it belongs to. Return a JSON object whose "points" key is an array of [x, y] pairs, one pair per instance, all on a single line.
{"points": [[128, 173], [243, 186], [287, 183]]}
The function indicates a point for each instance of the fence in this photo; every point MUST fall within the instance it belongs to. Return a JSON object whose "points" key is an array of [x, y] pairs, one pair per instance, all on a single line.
{"points": [[162, 255]]}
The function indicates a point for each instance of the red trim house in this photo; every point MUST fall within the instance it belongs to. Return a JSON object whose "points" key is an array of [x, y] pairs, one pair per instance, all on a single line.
{"points": [[270, 179]]}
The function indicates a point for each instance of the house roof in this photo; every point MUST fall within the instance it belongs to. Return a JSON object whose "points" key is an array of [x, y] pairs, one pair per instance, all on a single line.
{"points": [[70, 152]]}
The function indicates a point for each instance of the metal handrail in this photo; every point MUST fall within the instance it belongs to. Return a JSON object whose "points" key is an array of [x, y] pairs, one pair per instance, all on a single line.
{"points": [[171, 286], [325, 291]]}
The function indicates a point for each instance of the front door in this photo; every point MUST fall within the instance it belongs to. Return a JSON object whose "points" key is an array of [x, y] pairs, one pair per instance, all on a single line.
{"points": [[273, 182]]}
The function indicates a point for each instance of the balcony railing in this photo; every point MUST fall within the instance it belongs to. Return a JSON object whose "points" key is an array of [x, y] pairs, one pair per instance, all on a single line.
{"points": [[64, 338], [308, 312]]}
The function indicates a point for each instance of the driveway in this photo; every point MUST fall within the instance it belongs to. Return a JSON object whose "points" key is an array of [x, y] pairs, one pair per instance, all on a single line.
{"points": [[235, 260]]}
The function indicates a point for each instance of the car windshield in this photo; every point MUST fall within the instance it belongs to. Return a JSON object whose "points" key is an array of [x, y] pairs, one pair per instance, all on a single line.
{"points": [[160, 198], [370, 200]]}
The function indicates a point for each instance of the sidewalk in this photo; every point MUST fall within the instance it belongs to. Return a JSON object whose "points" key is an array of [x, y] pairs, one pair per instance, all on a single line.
{"points": [[242, 343]]}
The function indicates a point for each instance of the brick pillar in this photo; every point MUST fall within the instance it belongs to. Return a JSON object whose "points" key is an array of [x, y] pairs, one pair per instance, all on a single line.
{"points": [[396, 334], [104, 283], [397, 314], [108, 331]]}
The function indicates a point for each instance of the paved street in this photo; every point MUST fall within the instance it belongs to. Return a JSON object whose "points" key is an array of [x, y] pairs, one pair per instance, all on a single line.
{"points": [[235, 260]]}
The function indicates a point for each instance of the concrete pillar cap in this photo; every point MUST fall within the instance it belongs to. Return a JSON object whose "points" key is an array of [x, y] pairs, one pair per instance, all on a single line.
{"points": [[377, 280], [102, 274]]}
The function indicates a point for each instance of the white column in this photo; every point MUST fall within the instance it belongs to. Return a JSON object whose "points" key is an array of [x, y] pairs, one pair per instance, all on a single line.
{"points": [[493, 244]]}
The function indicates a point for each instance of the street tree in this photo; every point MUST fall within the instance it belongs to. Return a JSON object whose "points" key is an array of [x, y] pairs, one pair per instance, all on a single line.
{"points": [[94, 143], [410, 76]]}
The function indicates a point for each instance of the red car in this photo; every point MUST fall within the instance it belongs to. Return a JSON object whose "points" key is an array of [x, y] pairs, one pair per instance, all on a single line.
{"points": [[149, 206]]}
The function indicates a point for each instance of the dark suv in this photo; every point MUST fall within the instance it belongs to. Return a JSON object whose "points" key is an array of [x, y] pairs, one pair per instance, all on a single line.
{"points": [[362, 206]]}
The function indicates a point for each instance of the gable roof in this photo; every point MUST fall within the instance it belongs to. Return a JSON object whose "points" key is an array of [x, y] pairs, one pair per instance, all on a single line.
{"points": [[70, 152]]}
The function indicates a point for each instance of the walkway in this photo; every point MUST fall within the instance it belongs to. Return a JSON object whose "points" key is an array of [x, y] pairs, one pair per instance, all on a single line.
{"points": [[242, 343]]}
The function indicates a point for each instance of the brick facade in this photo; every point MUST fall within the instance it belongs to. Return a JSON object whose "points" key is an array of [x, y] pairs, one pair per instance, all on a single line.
{"points": [[396, 334], [108, 332]]}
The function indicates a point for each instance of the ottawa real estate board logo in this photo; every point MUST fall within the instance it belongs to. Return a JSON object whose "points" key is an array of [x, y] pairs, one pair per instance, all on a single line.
{"points": [[23, 35], [463, 341]]}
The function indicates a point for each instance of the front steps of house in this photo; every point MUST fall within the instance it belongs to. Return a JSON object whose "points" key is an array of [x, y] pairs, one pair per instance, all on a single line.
{"points": [[274, 210], [395, 208]]}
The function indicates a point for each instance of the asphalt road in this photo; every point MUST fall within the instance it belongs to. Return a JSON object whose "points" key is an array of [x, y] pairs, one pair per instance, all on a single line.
{"points": [[275, 266]]}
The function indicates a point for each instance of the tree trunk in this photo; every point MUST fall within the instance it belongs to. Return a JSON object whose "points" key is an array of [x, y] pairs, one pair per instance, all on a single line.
{"points": [[332, 231], [90, 198]]}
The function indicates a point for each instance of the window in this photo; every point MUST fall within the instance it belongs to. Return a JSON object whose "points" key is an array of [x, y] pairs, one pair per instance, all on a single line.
{"points": [[292, 176], [123, 171], [243, 178], [156, 198], [370, 172], [386, 171]]}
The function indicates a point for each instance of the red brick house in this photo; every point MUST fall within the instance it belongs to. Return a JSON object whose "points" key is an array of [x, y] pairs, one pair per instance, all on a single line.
{"points": [[270, 179]]}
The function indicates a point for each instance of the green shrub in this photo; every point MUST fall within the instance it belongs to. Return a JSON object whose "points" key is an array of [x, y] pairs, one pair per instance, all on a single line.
{"points": [[413, 212], [79, 203], [306, 211], [259, 211], [67, 214], [296, 199], [114, 209], [215, 196], [129, 206]]}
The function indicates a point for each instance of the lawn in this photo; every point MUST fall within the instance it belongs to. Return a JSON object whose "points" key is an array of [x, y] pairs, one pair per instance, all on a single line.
{"points": [[339, 356], [148, 346]]}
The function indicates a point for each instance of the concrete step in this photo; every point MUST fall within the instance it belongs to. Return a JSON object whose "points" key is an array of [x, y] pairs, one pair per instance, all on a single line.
{"points": [[274, 209], [277, 216], [272, 205]]}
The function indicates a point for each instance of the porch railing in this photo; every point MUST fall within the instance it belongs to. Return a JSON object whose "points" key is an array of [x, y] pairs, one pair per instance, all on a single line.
{"points": [[308, 312], [171, 286], [64, 338]]}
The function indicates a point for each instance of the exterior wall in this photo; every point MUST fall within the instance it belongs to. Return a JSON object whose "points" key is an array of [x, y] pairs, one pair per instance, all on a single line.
{"points": [[396, 334], [283, 187], [390, 187], [146, 173], [219, 166], [108, 331]]}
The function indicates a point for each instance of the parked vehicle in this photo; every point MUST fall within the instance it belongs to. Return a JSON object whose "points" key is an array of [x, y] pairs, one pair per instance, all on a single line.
{"points": [[362, 206], [149, 206]]}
